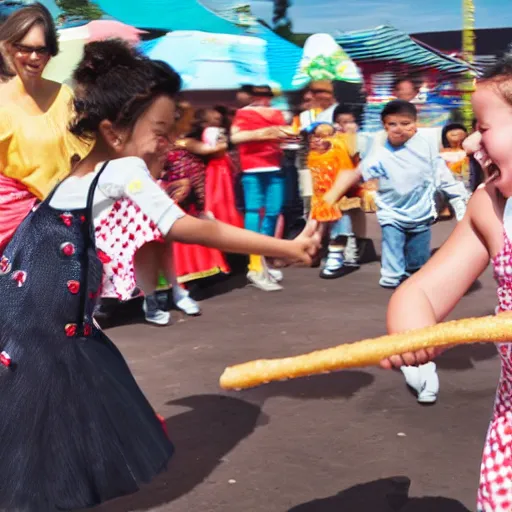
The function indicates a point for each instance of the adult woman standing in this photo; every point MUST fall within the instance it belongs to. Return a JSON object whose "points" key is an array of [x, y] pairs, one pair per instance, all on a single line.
{"points": [[35, 146]]}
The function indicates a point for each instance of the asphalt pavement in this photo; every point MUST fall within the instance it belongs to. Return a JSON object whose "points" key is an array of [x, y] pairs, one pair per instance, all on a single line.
{"points": [[350, 441]]}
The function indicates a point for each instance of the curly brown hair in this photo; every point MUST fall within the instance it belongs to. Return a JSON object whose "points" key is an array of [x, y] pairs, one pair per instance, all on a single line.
{"points": [[116, 82]]}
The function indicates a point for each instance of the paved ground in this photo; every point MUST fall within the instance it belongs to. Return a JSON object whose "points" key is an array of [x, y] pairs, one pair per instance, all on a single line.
{"points": [[321, 444]]}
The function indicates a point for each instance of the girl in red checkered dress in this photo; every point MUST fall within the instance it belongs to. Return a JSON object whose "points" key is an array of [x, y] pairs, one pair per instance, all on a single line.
{"points": [[485, 234]]}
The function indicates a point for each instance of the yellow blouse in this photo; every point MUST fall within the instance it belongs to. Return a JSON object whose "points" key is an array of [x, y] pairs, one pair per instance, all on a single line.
{"points": [[37, 150]]}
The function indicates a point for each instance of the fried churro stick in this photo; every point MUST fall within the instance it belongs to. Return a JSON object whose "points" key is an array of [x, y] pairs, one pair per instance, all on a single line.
{"points": [[369, 352]]}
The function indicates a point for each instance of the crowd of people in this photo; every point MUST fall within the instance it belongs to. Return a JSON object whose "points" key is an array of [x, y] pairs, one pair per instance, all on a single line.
{"points": [[118, 188]]}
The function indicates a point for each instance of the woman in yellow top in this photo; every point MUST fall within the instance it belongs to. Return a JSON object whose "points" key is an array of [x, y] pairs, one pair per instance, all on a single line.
{"points": [[35, 146]]}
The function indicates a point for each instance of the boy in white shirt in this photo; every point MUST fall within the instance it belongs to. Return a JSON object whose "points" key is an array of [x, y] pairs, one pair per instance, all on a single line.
{"points": [[410, 175]]}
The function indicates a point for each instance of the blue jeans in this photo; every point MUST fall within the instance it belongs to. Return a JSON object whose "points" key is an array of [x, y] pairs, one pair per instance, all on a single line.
{"points": [[403, 253], [341, 227], [263, 190]]}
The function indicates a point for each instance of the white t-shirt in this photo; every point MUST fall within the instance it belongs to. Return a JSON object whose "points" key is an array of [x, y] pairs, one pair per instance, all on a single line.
{"points": [[409, 176], [126, 177]]}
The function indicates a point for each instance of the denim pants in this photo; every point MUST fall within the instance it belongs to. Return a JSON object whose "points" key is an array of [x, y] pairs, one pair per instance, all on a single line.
{"points": [[404, 251], [342, 227], [263, 190]]}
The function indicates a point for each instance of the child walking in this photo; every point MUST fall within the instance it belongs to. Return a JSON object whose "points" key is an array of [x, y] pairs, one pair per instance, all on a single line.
{"points": [[409, 177], [484, 234], [330, 154], [76, 429]]}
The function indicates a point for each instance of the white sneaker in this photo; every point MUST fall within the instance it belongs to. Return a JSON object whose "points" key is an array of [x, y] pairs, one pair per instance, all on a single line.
{"points": [[424, 380], [263, 282], [275, 274], [152, 314], [188, 305]]}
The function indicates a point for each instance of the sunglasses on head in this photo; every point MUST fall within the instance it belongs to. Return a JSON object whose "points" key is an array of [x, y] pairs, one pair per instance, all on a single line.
{"points": [[29, 50]]}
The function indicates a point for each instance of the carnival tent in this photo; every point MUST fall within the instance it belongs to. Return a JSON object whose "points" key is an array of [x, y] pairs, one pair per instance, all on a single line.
{"points": [[168, 15], [282, 56], [211, 61], [387, 44], [385, 53]]}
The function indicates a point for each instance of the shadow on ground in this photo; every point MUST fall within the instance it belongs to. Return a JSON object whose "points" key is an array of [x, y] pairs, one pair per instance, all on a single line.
{"points": [[334, 385], [214, 424], [211, 427], [385, 495], [464, 357]]}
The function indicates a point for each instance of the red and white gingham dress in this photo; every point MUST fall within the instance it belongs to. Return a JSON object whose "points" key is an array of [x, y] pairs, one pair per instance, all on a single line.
{"points": [[495, 491], [119, 235]]}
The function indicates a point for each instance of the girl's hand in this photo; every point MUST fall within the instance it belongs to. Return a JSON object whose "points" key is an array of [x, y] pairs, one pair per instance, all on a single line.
{"points": [[307, 244], [412, 358]]}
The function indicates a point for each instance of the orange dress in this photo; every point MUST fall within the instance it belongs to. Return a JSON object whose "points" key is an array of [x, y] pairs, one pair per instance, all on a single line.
{"points": [[325, 167], [458, 162]]}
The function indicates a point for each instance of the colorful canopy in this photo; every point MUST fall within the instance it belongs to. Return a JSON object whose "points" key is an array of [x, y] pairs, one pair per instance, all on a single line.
{"points": [[282, 56], [168, 15], [211, 61], [105, 29], [389, 44]]}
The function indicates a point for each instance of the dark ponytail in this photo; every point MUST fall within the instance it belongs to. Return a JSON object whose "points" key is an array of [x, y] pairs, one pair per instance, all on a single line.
{"points": [[115, 82]]}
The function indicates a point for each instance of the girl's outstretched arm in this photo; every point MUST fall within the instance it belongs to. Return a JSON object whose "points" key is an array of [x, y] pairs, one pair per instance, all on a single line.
{"points": [[226, 238], [431, 294], [344, 182]]}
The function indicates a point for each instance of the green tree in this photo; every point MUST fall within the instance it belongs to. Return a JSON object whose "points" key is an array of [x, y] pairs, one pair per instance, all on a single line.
{"points": [[80, 9]]}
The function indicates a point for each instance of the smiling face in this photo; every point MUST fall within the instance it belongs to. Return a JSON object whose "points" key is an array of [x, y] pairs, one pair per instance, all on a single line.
{"points": [[30, 55], [494, 115], [149, 138]]}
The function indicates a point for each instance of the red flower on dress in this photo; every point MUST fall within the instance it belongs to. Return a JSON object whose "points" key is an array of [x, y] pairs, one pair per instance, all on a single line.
{"points": [[103, 257], [5, 359], [163, 423], [67, 218], [68, 249], [20, 276], [87, 330], [70, 330], [74, 287], [5, 265], [82, 218]]}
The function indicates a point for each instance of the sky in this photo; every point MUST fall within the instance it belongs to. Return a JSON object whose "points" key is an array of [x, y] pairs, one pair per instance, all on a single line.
{"points": [[407, 15]]}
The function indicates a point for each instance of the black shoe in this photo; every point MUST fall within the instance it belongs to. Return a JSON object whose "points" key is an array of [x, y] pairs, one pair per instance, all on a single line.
{"points": [[327, 273]]}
